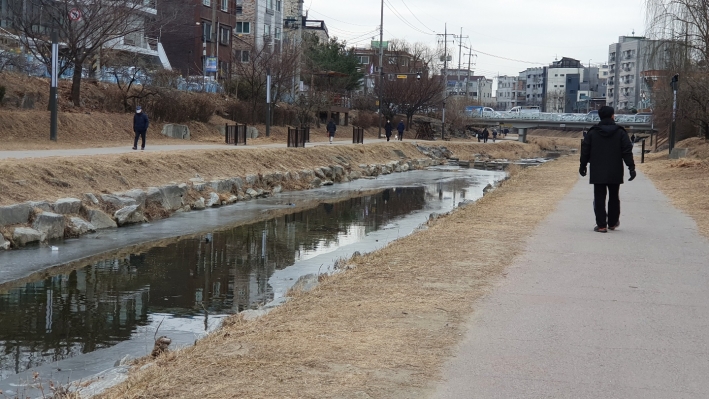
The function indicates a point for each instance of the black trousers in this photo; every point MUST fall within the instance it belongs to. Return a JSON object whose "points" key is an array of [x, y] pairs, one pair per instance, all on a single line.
{"points": [[611, 218], [137, 136]]}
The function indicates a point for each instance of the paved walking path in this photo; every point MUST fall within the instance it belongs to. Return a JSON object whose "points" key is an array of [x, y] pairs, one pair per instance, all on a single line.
{"points": [[589, 315]]}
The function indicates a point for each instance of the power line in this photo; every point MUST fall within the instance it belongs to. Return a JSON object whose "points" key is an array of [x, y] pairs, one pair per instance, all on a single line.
{"points": [[402, 19], [507, 59], [334, 19], [412, 13]]}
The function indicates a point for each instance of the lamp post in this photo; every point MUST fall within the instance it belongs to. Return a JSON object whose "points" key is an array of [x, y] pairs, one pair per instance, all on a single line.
{"points": [[674, 83], [204, 58]]}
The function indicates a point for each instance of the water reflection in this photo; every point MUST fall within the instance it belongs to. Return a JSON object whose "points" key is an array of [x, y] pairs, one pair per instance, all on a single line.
{"points": [[223, 272]]}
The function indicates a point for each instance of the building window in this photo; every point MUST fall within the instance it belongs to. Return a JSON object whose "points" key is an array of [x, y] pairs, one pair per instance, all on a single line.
{"points": [[392, 60], [207, 3], [277, 33], [363, 59], [243, 27], [269, 4], [278, 5], [241, 55], [207, 31], [224, 35], [225, 5], [239, 10], [267, 30]]}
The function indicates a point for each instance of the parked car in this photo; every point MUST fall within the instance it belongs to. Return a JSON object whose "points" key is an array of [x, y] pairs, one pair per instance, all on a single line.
{"points": [[528, 109]]}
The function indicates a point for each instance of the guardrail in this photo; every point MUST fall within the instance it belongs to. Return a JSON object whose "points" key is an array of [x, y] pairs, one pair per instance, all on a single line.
{"points": [[559, 117]]}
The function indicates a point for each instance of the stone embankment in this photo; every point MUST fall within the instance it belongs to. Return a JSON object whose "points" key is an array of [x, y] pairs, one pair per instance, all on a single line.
{"points": [[41, 221]]}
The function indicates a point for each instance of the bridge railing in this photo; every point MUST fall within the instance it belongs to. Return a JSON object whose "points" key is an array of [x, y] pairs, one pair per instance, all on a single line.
{"points": [[563, 117]]}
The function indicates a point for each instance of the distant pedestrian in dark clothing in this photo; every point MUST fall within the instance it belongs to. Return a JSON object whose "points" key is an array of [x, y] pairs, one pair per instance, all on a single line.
{"points": [[486, 134], [331, 128], [140, 127], [479, 135], [400, 128], [606, 146], [387, 129], [632, 138], [494, 135]]}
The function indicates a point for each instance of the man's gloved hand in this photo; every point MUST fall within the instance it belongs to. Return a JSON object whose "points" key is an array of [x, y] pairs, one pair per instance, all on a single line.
{"points": [[632, 175], [582, 170]]}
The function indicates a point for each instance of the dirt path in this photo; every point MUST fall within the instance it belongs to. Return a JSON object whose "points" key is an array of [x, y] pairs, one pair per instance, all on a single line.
{"points": [[380, 329]]}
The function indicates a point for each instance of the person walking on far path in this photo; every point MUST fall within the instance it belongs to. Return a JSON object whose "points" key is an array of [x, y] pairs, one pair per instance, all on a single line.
{"points": [[400, 128], [140, 127], [331, 129], [606, 146], [486, 134], [494, 135], [387, 129]]}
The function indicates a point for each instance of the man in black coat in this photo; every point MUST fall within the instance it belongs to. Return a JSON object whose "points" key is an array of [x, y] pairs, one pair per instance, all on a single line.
{"points": [[606, 146], [140, 127]]}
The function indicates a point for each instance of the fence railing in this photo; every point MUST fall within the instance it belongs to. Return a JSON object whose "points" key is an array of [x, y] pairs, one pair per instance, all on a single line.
{"points": [[235, 134], [298, 136], [357, 135]]}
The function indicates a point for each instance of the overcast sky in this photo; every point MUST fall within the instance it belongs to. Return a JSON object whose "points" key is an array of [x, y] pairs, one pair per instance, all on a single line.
{"points": [[508, 36]]}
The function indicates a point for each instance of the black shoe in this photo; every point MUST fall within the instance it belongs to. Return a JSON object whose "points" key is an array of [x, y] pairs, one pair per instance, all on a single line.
{"points": [[135, 148], [142, 149], [600, 229], [615, 227]]}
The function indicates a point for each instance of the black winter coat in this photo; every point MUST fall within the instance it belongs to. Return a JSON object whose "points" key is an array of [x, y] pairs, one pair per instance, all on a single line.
{"points": [[606, 146], [140, 122], [388, 128]]}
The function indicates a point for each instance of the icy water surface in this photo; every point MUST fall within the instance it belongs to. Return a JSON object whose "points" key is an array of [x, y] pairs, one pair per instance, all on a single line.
{"points": [[81, 321]]}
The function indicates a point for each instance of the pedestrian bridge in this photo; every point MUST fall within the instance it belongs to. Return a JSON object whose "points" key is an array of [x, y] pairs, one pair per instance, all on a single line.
{"points": [[550, 119]]}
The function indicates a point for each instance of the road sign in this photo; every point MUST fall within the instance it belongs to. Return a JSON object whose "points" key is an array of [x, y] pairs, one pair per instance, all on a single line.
{"points": [[211, 64], [75, 14], [401, 76]]}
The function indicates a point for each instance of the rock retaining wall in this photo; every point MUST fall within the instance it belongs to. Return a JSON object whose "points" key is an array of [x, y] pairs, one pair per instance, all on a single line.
{"points": [[38, 222]]}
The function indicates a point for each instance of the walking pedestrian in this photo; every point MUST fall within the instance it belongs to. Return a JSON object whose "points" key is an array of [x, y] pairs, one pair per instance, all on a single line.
{"points": [[606, 146], [486, 134], [387, 129], [494, 135], [331, 128], [479, 135], [140, 127], [400, 128]]}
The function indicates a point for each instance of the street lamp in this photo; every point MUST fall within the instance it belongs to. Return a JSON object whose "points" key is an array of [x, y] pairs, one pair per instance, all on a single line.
{"points": [[204, 58]]}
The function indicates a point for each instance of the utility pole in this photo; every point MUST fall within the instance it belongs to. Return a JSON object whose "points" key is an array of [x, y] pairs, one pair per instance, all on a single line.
{"points": [[299, 49], [381, 68], [467, 82], [460, 52], [53, 87], [445, 77]]}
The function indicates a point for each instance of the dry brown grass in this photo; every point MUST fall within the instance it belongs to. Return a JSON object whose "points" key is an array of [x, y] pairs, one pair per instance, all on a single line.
{"points": [[381, 329], [684, 181], [52, 178]]}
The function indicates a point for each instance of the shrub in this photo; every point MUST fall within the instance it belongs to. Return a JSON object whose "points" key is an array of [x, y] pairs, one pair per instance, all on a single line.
{"points": [[180, 107]]}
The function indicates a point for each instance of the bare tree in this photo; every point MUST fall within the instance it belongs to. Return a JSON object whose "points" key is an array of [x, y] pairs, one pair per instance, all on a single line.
{"points": [[102, 25], [681, 28]]}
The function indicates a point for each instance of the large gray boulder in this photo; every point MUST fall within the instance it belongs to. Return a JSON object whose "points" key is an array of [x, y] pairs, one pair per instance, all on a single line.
{"points": [[25, 235], [78, 226], [172, 196], [101, 220], [137, 194], [14, 214], [338, 172], [67, 206], [176, 131], [128, 215], [251, 132], [237, 184], [44, 206], [199, 204], [50, 224], [4, 244], [251, 180], [222, 186], [252, 193], [213, 200], [118, 201], [320, 172]]}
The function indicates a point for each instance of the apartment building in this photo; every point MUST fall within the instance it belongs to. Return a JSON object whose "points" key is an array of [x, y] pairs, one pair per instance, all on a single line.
{"points": [[510, 92], [534, 86], [627, 60], [205, 27]]}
